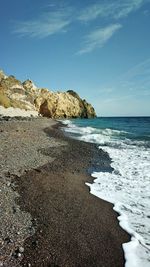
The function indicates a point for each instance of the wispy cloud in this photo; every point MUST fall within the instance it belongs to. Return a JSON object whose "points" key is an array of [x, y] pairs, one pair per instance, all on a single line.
{"points": [[61, 16], [98, 38], [136, 80], [47, 24], [106, 90], [111, 9], [142, 68], [138, 77], [118, 98]]}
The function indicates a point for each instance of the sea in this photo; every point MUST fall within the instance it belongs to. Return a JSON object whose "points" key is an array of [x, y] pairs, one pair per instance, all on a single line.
{"points": [[127, 141]]}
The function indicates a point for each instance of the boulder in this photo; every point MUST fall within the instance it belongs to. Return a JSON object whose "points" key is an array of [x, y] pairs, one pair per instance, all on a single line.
{"points": [[29, 86]]}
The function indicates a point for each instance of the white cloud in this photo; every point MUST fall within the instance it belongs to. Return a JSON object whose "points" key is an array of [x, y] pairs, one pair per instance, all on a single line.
{"points": [[114, 9], [143, 68], [106, 90], [98, 38], [47, 24], [138, 77], [136, 80]]}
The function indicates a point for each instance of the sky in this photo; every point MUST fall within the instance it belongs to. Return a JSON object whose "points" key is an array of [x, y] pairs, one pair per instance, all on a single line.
{"points": [[99, 48]]}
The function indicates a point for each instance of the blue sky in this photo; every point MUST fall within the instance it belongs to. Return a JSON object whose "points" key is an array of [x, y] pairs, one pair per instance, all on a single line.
{"points": [[100, 49]]}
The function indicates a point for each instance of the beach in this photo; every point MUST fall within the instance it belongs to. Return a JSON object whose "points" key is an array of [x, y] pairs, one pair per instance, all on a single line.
{"points": [[50, 218]]}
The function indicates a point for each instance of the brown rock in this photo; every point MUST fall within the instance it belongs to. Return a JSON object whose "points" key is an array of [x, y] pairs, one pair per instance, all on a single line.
{"points": [[2, 75], [27, 96]]}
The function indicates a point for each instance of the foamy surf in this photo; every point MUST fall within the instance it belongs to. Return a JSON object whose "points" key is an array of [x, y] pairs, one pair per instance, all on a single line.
{"points": [[127, 187]]}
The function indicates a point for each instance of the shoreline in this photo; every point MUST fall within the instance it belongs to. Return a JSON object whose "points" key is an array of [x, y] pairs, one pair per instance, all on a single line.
{"points": [[72, 227]]}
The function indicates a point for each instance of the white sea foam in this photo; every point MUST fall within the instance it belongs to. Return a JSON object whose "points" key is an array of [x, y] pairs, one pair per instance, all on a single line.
{"points": [[65, 122], [127, 187], [89, 134]]}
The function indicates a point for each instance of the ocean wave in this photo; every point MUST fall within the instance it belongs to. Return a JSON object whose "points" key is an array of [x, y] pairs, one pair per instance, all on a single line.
{"points": [[127, 187], [72, 128], [65, 122], [107, 136]]}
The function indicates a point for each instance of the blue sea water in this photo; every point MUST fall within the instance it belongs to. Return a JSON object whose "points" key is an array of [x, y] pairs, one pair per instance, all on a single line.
{"points": [[134, 128], [127, 141]]}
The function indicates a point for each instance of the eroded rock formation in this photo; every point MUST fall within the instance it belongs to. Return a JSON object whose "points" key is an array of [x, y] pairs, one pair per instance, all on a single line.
{"points": [[26, 95]]}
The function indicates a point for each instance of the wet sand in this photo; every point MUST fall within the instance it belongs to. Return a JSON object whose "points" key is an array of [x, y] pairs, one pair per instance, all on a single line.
{"points": [[72, 227]]}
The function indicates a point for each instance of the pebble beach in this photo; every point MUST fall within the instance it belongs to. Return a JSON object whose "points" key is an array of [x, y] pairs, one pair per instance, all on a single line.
{"points": [[48, 217]]}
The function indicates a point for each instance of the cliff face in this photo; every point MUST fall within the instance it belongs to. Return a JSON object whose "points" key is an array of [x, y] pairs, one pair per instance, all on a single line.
{"points": [[26, 95]]}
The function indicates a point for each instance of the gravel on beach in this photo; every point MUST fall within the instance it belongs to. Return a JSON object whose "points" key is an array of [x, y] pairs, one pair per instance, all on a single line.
{"points": [[21, 143], [47, 216]]}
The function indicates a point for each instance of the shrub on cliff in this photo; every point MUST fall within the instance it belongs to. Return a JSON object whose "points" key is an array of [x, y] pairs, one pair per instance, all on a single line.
{"points": [[4, 100]]}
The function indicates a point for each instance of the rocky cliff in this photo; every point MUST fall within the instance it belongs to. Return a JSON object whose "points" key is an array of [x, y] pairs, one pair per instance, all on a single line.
{"points": [[14, 93]]}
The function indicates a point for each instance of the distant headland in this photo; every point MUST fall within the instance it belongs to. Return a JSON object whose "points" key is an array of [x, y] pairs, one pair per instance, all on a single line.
{"points": [[25, 96]]}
